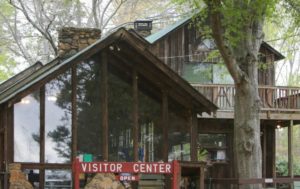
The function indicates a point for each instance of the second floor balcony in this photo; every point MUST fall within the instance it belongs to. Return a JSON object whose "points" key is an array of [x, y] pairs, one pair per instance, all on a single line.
{"points": [[273, 98]]}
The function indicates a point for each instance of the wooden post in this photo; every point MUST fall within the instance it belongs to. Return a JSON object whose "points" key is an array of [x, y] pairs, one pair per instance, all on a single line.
{"points": [[273, 144], [42, 178], [74, 124], [10, 134], [193, 123], [290, 149], [76, 173], [135, 115], [42, 124], [74, 113], [104, 104], [264, 150], [201, 177], [5, 145], [269, 152], [42, 135], [1, 145], [165, 120]]}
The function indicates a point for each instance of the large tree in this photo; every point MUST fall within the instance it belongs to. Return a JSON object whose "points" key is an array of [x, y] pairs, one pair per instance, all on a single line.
{"points": [[237, 29]]}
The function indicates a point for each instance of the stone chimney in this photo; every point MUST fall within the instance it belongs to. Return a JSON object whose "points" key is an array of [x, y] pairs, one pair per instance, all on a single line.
{"points": [[143, 27], [71, 40]]}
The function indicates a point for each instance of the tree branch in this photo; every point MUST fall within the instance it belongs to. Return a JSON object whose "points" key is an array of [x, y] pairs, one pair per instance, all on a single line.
{"points": [[95, 14], [217, 33], [46, 34], [14, 34], [104, 11], [113, 14]]}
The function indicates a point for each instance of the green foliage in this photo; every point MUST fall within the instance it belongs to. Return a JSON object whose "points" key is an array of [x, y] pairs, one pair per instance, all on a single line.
{"points": [[282, 167], [236, 16], [7, 65], [202, 154], [294, 80], [6, 8], [214, 55]]}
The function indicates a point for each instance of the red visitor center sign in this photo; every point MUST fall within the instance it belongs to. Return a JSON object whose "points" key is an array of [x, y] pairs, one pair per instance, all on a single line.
{"points": [[126, 167]]}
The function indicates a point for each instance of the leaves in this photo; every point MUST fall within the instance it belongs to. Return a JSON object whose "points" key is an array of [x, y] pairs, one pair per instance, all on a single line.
{"points": [[7, 65]]}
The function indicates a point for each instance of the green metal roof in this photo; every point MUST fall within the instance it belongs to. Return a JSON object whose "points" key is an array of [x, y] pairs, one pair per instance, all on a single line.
{"points": [[161, 33]]}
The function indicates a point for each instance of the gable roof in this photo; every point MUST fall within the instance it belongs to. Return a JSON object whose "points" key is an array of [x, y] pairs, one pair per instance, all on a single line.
{"points": [[169, 29], [137, 48]]}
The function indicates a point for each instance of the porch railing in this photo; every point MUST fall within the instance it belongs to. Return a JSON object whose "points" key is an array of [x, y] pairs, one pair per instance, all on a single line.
{"points": [[272, 98]]}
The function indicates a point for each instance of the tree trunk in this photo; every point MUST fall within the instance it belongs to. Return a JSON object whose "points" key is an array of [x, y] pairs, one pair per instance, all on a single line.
{"points": [[247, 145]]}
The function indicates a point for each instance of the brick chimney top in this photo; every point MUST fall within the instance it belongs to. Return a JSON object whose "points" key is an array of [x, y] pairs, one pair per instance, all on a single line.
{"points": [[71, 40]]}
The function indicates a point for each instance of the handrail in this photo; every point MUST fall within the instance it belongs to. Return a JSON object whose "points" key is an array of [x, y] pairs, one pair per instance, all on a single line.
{"points": [[273, 98], [243, 181], [232, 85]]}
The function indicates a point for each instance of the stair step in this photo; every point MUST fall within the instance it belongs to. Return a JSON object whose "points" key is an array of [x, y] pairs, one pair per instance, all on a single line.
{"points": [[154, 181], [151, 177]]}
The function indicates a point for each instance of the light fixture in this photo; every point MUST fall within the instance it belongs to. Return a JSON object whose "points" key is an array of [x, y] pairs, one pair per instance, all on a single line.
{"points": [[25, 101], [52, 98], [278, 126]]}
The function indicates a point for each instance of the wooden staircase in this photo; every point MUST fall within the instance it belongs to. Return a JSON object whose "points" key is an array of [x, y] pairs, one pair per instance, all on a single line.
{"points": [[153, 181]]}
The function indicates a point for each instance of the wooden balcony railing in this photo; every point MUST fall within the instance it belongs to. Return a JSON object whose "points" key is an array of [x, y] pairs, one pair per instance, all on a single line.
{"points": [[272, 98]]}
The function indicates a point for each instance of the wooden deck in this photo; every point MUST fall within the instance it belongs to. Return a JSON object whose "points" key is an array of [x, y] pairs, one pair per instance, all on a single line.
{"points": [[276, 101]]}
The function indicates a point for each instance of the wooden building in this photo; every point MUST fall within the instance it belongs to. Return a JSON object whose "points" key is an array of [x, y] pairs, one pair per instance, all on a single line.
{"points": [[126, 98], [193, 56], [109, 100]]}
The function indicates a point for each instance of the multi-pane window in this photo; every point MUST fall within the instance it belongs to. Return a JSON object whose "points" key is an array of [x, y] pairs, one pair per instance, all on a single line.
{"points": [[212, 147], [58, 118], [89, 121]]}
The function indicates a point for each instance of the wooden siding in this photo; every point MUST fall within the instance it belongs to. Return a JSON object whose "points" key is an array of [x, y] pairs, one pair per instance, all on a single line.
{"points": [[182, 46], [173, 48], [266, 73]]}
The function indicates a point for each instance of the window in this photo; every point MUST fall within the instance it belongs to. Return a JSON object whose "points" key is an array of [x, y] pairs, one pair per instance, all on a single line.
{"points": [[221, 75], [206, 73], [212, 147], [150, 139], [58, 179], [27, 129], [198, 72], [120, 119], [89, 120], [58, 119], [181, 152], [179, 138], [147, 142]]}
